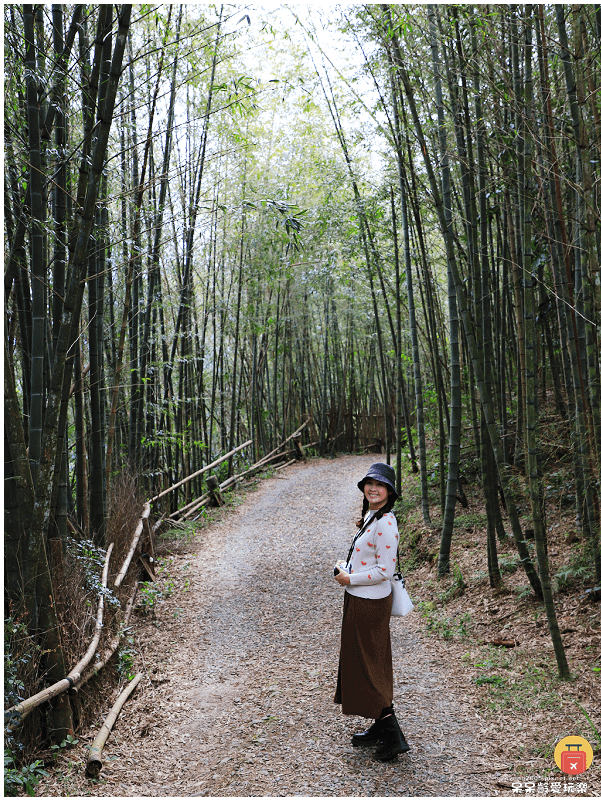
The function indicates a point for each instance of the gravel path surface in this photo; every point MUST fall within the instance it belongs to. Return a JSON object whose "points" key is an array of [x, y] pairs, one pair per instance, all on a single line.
{"points": [[241, 667]]}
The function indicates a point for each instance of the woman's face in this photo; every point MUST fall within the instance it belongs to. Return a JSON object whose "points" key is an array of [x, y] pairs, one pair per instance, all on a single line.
{"points": [[376, 493]]}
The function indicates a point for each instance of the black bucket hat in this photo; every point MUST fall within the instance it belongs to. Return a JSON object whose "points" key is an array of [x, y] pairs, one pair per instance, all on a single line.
{"points": [[383, 473]]}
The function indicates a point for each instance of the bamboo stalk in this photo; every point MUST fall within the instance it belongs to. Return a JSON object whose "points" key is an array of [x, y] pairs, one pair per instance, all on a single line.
{"points": [[200, 471], [193, 511], [79, 668], [134, 544], [94, 763], [14, 716]]}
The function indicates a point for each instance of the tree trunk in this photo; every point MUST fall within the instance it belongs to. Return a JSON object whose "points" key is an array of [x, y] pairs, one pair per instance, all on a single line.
{"points": [[467, 325], [536, 496]]}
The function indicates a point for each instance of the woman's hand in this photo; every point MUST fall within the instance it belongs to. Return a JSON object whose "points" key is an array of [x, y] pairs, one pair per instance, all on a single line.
{"points": [[342, 578]]}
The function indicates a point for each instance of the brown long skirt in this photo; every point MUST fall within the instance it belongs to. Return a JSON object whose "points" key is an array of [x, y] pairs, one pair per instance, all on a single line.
{"points": [[365, 667]]}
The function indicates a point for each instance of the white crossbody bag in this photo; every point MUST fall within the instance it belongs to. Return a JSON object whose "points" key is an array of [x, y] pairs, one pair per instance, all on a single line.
{"points": [[401, 602]]}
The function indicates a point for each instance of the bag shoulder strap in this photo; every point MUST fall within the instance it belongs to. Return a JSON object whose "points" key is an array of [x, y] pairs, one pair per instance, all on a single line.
{"points": [[378, 515]]}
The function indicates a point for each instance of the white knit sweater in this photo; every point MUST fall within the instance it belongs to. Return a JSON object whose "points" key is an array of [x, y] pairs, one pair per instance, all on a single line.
{"points": [[374, 558]]}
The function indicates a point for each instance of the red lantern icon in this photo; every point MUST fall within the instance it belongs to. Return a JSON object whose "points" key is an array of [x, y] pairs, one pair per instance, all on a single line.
{"points": [[573, 762]]}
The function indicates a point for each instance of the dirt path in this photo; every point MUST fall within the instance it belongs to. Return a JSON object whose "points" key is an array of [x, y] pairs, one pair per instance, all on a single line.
{"points": [[241, 666]]}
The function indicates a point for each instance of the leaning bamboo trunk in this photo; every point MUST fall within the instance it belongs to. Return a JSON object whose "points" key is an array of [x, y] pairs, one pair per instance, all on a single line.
{"points": [[585, 416], [128, 285], [398, 364], [153, 265], [455, 419], [417, 377], [94, 764], [38, 267], [274, 451], [138, 532], [403, 184], [484, 313], [197, 503], [55, 416]]}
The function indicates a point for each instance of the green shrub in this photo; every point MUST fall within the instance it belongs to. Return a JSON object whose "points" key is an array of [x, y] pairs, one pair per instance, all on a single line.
{"points": [[509, 564], [578, 571], [20, 657], [127, 656], [496, 680], [25, 778], [150, 595]]}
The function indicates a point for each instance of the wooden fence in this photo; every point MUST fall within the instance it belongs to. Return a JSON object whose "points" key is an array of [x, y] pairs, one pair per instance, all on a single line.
{"points": [[353, 431], [142, 545]]}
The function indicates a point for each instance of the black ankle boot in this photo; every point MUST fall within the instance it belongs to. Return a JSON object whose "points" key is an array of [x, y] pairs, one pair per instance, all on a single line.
{"points": [[392, 740], [368, 737]]}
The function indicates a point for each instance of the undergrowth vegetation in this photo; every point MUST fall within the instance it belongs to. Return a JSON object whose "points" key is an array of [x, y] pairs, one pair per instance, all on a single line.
{"points": [[500, 635], [511, 678]]}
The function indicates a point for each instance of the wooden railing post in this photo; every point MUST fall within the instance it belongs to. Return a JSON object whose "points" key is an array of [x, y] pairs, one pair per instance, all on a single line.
{"points": [[213, 486], [299, 451]]}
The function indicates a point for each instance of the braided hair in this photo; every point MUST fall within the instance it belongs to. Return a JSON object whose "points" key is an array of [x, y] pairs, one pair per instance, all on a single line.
{"points": [[388, 506]]}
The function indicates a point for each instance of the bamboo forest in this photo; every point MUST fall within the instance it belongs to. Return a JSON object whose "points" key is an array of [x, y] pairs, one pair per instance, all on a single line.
{"points": [[239, 236]]}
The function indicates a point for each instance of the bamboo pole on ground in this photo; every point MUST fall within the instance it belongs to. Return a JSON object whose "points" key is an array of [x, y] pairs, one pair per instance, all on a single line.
{"points": [[94, 763], [263, 462], [192, 507], [283, 466], [186, 511]]}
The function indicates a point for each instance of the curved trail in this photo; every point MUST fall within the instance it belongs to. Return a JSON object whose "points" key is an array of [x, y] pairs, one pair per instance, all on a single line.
{"points": [[242, 663]]}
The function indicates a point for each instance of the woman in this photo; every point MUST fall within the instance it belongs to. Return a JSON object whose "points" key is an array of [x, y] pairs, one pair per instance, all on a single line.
{"points": [[365, 668]]}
